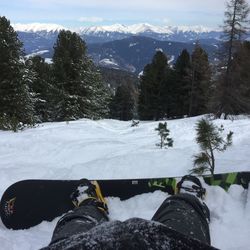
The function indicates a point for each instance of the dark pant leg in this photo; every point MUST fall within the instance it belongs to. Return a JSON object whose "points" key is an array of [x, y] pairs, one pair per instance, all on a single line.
{"points": [[186, 214], [79, 220]]}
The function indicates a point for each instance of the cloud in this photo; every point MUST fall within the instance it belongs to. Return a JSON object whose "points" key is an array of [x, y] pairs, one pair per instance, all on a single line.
{"points": [[150, 5], [92, 19], [166, 20], [187, 5]]}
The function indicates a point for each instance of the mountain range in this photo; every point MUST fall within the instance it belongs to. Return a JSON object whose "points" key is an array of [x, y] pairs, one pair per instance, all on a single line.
{"points": [[97, 34], [122, 47], [166, 33]]}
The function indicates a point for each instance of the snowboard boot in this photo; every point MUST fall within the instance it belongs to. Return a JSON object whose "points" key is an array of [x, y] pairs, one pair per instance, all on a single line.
{"points": [[192, 185], [89, 193]]}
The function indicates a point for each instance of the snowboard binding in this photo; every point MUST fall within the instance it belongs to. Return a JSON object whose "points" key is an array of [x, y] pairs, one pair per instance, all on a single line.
{"points": [[191, 184], [89, 193]]}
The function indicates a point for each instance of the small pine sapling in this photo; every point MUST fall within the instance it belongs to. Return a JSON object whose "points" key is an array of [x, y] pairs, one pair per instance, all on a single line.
{"points": [[163, 132], [210, 139], [135, 123]]}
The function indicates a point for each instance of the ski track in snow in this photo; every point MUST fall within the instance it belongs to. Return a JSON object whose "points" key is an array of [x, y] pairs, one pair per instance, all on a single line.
{"points": [[114, 149]]}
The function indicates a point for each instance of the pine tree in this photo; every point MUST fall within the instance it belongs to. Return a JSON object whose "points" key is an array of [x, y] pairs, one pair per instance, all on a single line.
{"points": [[40, 73], [240, 79], [163, 132], [144, 102], [124, 103], [210, 139], [155, 96], [241, 75], [68, 59], [200, 82], [183, 83], [81, 91], [235, 26], [16, 104], [228, 99], [98, 95]]}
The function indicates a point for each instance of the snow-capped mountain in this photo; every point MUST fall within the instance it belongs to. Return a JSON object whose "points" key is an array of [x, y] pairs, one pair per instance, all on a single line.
{"points": [[143, 28], [100, 34], [38, 27], [118, 28], [96, 34], [134, 29]]}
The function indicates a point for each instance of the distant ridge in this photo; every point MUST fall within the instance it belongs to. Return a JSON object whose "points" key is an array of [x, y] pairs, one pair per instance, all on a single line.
{"points": [[38, 27], [118, 28]]}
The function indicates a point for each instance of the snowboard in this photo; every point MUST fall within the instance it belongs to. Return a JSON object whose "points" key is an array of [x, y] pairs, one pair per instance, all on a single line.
{"points": [[29, 202]]}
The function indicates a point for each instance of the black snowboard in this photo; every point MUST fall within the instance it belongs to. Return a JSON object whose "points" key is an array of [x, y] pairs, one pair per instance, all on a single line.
{"points": [[29, 202]]}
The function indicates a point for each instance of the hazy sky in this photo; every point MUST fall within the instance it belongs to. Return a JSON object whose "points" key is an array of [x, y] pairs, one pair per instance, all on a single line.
{"points": [[75, 13]]}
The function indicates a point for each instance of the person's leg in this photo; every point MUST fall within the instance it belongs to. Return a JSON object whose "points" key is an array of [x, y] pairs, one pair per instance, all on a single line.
{"points": [[80, 220], [90, 210], [186, 214]]}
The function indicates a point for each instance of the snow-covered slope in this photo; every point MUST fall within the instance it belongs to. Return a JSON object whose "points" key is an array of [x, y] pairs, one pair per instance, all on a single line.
{"points": [[114, 149]]}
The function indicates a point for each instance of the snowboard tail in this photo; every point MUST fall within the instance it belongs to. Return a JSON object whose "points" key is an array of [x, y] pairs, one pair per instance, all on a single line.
{"points": [[27, 203]]}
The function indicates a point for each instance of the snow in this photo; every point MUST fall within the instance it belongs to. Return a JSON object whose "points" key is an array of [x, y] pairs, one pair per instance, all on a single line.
{"points": [[171, 60], [114, 149], [196, 29], [108, 62], [140, 74], [107, 28], [37, 53], [159, 49], [49, 60], [144, 27], [36, 27], [134, 29], [133, 44]]}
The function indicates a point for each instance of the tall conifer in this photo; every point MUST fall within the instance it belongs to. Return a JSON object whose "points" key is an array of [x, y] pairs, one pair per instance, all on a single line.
{"points": [[229, 98], [183, 83], [81, 91], [124, 103], [40, 74], [200, 82], [155, 96], [16, 104]]}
